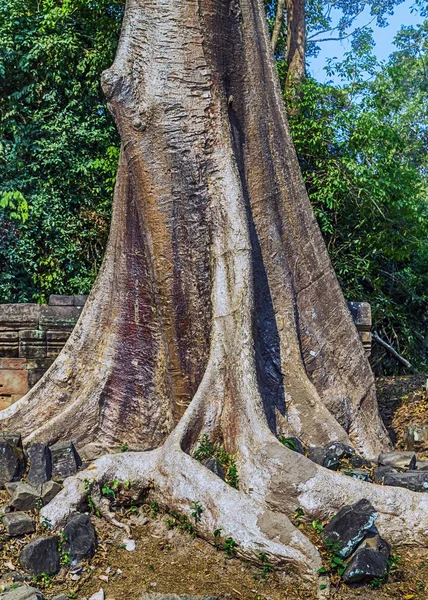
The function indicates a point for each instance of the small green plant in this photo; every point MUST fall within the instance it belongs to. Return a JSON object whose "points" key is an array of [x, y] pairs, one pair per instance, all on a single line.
{"points": [[206, 449], [377, 582], [288, 443], [45, 524], [108, 491], [154, 509], [123, 448], [230, 547], [92, 507], [317, 525], [197, 511], [181, 522], [14, 586], [217, 536], [267, 567], [43, 579], [65, 559]]}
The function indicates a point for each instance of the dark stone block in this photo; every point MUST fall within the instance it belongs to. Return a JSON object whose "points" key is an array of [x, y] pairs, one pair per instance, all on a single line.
{"points": [[358, 461], [49, 490], [380, 472], [421, 465], [19, 316], [41, 556], [18, 523], [375, 541], [215, 466], [12, 459], [25, 497], [331, 455], [65, 460], [40, 464], [402, 461], [366, 565], [80, 299], [60, 300], [59, 317], [412, 480], [80, 537], [346, 530]]}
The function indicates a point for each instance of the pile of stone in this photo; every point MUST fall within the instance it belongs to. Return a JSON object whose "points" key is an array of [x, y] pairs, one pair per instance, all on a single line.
{"points": [[338, 456], [48, 467], [352, 536]]}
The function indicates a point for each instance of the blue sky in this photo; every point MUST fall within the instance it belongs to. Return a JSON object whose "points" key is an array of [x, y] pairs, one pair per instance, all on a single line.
{"points": [[383, 37]]}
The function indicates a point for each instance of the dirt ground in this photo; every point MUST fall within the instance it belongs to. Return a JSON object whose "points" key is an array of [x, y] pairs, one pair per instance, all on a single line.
{"points": [[172, 561]]}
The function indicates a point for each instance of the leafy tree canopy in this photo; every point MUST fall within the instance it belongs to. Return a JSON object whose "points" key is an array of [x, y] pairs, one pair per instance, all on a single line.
{"points": [[58, 148]]}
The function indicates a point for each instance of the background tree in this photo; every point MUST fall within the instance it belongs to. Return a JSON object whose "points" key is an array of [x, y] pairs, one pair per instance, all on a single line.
{"points": [[216, 311], [307, 23]]}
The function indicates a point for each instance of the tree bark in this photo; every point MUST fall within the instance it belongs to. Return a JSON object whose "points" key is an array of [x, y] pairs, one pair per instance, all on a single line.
{"points": [[296, 42], [216, 310]]}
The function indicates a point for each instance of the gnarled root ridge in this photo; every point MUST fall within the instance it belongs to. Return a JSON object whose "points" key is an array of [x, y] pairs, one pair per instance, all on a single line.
{"points": [[176, 480]]}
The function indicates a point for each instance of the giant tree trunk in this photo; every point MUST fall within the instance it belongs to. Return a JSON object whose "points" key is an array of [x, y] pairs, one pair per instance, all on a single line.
{"points": [[216, 310]]}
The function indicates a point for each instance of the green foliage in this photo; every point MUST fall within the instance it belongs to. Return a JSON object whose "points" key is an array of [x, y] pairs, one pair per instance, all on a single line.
{"points": [[365, 170], [197, 511], [206, 449], [58, 148], [181, 522], [288, 443], [230, 547]]}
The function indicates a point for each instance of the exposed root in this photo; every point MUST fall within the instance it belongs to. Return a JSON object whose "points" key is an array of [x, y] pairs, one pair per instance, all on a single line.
{"points": [[292, 480], [102, 505], [177, 481]]}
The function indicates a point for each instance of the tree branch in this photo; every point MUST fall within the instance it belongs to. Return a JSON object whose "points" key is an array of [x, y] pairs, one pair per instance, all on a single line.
{"points": [[391, 350]]}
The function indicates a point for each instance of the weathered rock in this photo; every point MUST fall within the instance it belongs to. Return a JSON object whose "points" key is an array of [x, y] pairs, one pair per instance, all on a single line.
{"points": [[18, 523], [11, 486], [417, 438], [60, 597], [215, 466], [65, 460], [80, 538], [375, 541], [380, 472], [412, 480], [346, 530], [331, 455], [41, 556], [12, 459], [421, 465], [357, 462], [402, 461], [358, 474], [98, 595], [365, 565], [25, 497], [49, 490], [40, 464], [23, 593]]}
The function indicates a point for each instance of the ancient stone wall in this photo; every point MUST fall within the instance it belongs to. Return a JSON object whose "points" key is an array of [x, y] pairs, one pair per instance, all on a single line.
{"points": [[31, 337]]}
